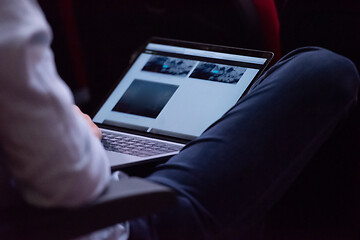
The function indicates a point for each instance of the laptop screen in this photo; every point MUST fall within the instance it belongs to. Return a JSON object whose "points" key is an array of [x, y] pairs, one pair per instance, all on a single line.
{"points": [[178, 91]]}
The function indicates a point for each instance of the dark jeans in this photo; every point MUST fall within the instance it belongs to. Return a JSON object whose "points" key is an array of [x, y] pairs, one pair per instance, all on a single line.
{"points": [[229, 177]]}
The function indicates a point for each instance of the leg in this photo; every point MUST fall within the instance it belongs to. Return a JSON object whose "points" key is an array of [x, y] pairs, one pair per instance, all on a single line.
{"points": [[230, 176]]}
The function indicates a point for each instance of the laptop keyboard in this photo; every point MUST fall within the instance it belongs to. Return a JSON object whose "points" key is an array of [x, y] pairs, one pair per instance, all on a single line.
{"points": [[136, 146]]}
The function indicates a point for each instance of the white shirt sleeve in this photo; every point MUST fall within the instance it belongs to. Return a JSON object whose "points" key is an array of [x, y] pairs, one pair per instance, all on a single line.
{"points": [[50, 150]]}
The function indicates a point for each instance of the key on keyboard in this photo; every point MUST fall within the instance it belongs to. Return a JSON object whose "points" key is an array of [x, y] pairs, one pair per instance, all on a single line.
{"points": [[136, 146]]}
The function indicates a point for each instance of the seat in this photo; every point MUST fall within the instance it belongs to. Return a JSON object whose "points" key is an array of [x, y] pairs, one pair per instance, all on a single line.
{"points": [[122, 200]]}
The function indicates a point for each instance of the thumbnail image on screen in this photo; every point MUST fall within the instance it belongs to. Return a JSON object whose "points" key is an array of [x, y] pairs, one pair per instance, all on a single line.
{"points": [[145, 98], [218, 72], [169, 65]]}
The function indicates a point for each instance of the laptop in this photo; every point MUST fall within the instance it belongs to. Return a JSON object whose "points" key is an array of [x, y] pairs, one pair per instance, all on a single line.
{"points": [[172, 92]]}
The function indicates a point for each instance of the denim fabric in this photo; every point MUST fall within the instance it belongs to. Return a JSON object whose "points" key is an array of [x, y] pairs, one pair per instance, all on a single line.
{"points": [[229, 177]]}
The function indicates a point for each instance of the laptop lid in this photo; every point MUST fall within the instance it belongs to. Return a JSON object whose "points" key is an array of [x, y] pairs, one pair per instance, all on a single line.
{"points": [[176, 89]]}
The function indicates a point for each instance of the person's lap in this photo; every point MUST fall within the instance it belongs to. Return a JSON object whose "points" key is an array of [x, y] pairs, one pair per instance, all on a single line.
{"points": [[229, 177]]}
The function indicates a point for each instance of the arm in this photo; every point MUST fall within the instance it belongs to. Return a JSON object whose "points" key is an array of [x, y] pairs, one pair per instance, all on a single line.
{"points": [[50, 150]]}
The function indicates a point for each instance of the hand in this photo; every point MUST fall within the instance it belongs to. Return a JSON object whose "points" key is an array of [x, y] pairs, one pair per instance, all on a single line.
{"points": [[95, 130]]}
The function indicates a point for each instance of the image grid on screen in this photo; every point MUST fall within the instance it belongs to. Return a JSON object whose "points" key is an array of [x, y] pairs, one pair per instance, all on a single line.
{"points": [[169, 65], [218, 72]]}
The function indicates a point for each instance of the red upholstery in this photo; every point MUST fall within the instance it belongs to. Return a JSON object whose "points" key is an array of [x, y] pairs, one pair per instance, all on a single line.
{"points": [[73, 41], [270, 24]]}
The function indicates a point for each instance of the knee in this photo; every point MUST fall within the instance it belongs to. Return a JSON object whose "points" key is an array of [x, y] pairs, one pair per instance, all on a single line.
{"points": [[328, 72]]}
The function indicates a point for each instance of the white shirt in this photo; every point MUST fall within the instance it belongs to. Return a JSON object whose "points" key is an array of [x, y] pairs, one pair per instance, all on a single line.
{"points": [[47, 152]]}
